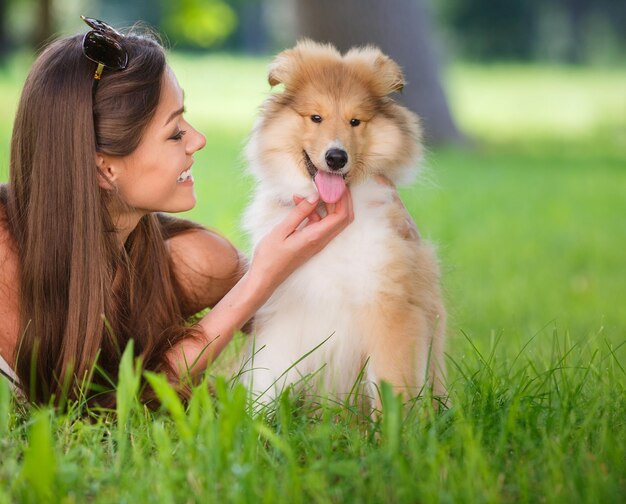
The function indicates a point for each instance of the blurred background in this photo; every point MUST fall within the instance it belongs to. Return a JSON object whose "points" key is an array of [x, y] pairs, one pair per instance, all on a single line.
{"points": [[523, 104]]}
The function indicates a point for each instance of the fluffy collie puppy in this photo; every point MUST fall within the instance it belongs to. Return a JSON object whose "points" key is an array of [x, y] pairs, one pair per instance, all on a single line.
{"points": [[369, 304]]}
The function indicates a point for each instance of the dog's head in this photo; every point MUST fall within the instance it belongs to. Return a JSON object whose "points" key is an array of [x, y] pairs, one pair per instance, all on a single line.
{"points": [[335, 118]]}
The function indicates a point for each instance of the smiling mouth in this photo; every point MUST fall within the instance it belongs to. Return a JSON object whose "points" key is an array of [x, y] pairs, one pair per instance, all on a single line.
{"points": [[312, 169], [184, 176], [330, 186]]}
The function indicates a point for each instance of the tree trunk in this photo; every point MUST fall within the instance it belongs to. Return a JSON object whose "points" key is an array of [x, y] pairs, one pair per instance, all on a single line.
{"points": [[577, 10], [402, 30], [44, 29], [4, 39], [251, 34]]}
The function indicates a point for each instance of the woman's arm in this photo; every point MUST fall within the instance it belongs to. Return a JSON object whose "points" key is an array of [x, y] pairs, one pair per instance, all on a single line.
{"points": [[206, 267], [280, 253]]}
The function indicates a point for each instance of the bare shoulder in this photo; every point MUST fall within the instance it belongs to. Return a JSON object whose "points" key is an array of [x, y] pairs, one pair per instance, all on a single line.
{"points": [[8, 253], [206, 266], [9, 281]]}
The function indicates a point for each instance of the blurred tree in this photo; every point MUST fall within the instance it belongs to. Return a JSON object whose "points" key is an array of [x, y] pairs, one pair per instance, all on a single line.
{"points": [[251, 33], [577, 10], [4, 38], [199, 23], [562, 30], [45, 29], [123, 13], [608, 16], [402, 29], [484, 28]]}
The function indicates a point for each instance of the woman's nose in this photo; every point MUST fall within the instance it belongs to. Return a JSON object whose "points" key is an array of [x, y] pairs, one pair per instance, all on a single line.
{"points": [[197, 142]]}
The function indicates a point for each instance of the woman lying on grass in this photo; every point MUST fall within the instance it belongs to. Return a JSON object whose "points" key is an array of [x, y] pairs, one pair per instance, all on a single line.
{"points": [[87, 262]]}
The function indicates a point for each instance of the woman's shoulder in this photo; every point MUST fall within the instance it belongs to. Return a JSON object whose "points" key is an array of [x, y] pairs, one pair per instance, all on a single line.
{"points": [[206, 266], [8, 253], [7, 243], [9, 282]]}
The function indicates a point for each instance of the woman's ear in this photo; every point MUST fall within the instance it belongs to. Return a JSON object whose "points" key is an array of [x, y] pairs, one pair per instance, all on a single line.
{"points": [[107, 172]]}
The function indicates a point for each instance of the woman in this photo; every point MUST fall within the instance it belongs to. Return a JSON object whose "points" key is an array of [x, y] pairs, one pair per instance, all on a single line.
{"points": [[100, 146]]}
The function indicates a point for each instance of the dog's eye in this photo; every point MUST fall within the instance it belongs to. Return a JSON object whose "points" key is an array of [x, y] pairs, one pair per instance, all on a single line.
{"points": [[316, 118], [354, 122]]}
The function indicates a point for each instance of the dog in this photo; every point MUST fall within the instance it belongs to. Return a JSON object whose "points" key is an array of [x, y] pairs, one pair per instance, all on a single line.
{"points": [[369, 305]]}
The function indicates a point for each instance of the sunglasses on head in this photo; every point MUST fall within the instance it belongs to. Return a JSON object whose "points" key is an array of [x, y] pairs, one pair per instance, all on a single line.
{"points": [[103, 45]]}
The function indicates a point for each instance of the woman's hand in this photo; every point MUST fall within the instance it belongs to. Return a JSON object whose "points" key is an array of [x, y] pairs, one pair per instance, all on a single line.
{"points": [[301, 235], [289, 245], [404, 223]]}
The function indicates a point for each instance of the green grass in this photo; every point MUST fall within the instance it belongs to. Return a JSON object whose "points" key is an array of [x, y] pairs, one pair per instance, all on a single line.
{"points": [[529, 225]]}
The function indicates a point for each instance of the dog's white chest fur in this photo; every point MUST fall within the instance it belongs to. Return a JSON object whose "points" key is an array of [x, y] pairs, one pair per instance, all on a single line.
{"points": [[318, 310]]}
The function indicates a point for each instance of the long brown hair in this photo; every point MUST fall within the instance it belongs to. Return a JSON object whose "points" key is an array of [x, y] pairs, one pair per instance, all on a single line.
{"points": [[81, 298]]}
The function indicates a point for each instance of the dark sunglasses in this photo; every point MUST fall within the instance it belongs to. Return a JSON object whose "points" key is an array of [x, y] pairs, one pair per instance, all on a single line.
{"points": [[103, 45]]}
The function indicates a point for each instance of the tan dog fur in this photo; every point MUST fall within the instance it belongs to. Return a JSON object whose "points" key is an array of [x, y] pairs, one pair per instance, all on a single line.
{"points": [[386, 282]]}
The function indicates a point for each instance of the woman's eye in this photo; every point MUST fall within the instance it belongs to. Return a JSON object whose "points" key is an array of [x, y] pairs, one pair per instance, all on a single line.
{"points": [[316, 118], [178, 135], [355, 122]]}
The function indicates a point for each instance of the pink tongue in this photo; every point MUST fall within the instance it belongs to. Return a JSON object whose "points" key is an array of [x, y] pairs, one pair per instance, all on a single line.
{"points": [[330, 186]]}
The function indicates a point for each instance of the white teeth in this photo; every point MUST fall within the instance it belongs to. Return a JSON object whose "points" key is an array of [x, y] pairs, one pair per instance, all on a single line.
{"points": [[186, 175]]}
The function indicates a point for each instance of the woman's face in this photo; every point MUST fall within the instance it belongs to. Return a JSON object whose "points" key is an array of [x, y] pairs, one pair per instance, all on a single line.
{"points": [[156, 176]]}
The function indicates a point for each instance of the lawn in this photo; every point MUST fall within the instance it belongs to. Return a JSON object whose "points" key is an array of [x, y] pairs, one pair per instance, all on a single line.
{"points": [[529, 222]]}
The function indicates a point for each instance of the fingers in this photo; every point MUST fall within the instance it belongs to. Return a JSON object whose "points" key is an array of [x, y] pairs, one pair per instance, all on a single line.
{"points": [[342, 210], [344, 205], [319, 230], [303, 209], [314, 217], [331, 225], [347, 199]]}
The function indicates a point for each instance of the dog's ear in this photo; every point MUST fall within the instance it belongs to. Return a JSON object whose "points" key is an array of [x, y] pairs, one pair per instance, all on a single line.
{"points": [[385, 73], [281, 68], [307, 54], [390, 74]]}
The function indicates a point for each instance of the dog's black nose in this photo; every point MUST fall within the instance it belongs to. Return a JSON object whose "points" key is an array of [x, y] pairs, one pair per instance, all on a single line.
{"points": [[336, 159]]}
